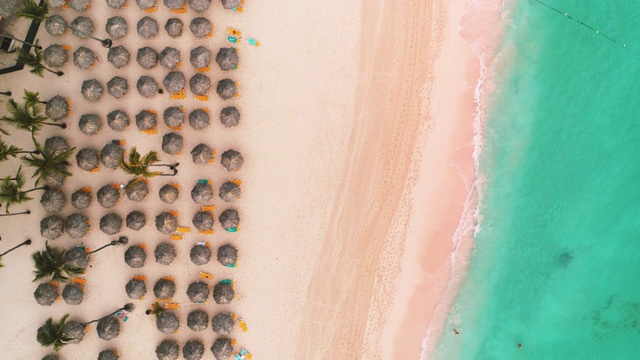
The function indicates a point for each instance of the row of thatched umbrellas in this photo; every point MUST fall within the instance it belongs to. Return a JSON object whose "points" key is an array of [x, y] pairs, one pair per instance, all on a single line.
{"points": [[148, 58], [195, 5], [194, 349], [165, 254]]}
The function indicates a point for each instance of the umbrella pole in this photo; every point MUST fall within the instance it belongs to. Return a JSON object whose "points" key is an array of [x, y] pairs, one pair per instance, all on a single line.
{"points": [[5, 93], [26, 242]]}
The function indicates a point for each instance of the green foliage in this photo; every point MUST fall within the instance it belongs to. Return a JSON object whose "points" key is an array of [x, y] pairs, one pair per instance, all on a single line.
{"points": [[11, 191], [52, 334], [50, 263], [47, 163], [31, 99], [31, 10], [138, 165], [34, 59], [24, 117], [7, 151], [156, 309]]}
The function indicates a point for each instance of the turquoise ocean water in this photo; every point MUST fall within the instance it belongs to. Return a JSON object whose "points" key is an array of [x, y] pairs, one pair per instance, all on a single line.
{"points": [[557, 260]]}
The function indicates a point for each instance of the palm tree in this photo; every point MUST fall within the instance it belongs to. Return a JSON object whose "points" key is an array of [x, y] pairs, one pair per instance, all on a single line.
{"points": [[27, 118], [127, 307], [26, 242], [32, 99], [7, 151], [53, 334], [138, 165], [32, 10], [35, 60], [156, 309], [50, 263], [47, 163], [11, 191]]}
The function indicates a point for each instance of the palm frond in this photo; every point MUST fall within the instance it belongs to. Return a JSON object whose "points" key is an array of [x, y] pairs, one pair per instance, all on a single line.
{"points": [[7, 151], [31, 99], [31, 10]]}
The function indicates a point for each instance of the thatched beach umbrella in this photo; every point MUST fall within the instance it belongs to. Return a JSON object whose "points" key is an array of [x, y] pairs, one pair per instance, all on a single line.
{"points": [[199, 5], [56, 145], [227, 255], [229, 191], [199, 119], [82, 27], [77, 256], [146, 4], [111, 224], [200, 84], [146, 120], [166, 223], [222, 323], [226, 89], [108, 196], [51, 227], [228, 58], [202, 154], [118, 120], [169, 57], [203, 220], [172, 143], [81, 199], [111, 154], [174, 4], [46, 294], [147, 27], [200, 57], [147, 57], [230, 220], [232, 160], [174, 82], [198, 292], [72, 294], [167, 322], [222, 348], [137, 191], [231, 4], [57, 108], [200, 27], [84, 58], [55, 25], [80, 5], [109, 354], [118, 87], [174, 27], [87, 159], [165, 253], [92, 90], [77, 225], [90, 124], [230, 116], [169, 193], [173, 116], [55, 56], [51, 357], [136, 289], [201, 193], [116, 26], [118, 56], [193, 350], [73, 330], [197, 320], [223, 293], [147, 86], [116, 4], [135, 256], [108, 328], [54, 4], [168, 350], [164, 289], [136, 220], [200, 255], [53, 200]]}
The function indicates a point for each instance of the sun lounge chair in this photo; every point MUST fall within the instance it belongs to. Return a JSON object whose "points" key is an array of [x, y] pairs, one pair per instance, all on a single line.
{"points": [[172, 305], [176, 237], [184, 230], [206, 275], [208, 208], [181, 10], [202, 97]]}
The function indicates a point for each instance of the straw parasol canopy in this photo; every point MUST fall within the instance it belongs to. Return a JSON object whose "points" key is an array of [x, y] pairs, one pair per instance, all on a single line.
{"points": [[73, 330], [232, 160], [80, 5], [55, 56], [229, 219], [56, 145], [199, 5], [167, 322], [108, 355], [146, 4], [199, 119], [111, 154], [230, 4], [174, 4], [81, 199], [118, 56], [77, 225], [223, 293], [54, 179], [51, 227], [200, 255], [137, 191], [55, 25], [200, 27], [169, 193], [136, 289], [57, 108], [228, 58], [173, 116], [222, 323], [135, 256], [116, 4], [165, 253], [77, 256], [172, 143], [146, 120], [174, 27], [82, 27], [174, 82], [200, 57], [197, 320], [202, 154], [169, 57], [200, 84], [108, 328], [166, 223], [46, 294], [201, 193], [90, 124], [226, 88], [229, 191], [87, 159], [108, 196], [84, 58], [147, 86], [92, 90], [117, 120], [54, 4], [193, 350], [72, 294], [203, 220], [147, 27], [53, 200], [164, 289], [116, 26], [147, 57], [117, 87], [110, 224], [227, 255], [136, 220], [230, 116], [168, 350], [222, 348], [198, 292], [51, 357]]}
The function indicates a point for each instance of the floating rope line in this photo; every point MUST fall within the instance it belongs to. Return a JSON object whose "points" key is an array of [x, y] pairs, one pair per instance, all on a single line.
{"points": [[581, 23]]}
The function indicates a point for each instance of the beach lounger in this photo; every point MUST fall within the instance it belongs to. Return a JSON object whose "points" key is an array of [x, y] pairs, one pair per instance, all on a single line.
{"points": [[140, 277], [254, 42], [206, 232], [174, 213], [176, 237], [170, 278], [143, 246], [172, 305], [150, 131], [69, 105], [206, 275], [87, 189], [152, 9], [236, 181], [181, 10], [233, 32], [233, 39], [243, 326], [202, 97], [208, 208], [226, 281], [179, 95], [184, 230], [79, 281]]}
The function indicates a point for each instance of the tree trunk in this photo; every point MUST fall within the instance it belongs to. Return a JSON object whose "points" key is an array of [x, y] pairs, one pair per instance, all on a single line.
{"points": [[22, 41], [38, 188], [35, 152], [19, 213], [123, 240], [26, 242], [59, 73], [5, 93], [63, 125]]}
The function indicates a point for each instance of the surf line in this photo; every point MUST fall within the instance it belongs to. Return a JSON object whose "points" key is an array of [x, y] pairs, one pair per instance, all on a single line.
{"points": [[581, 23]]}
